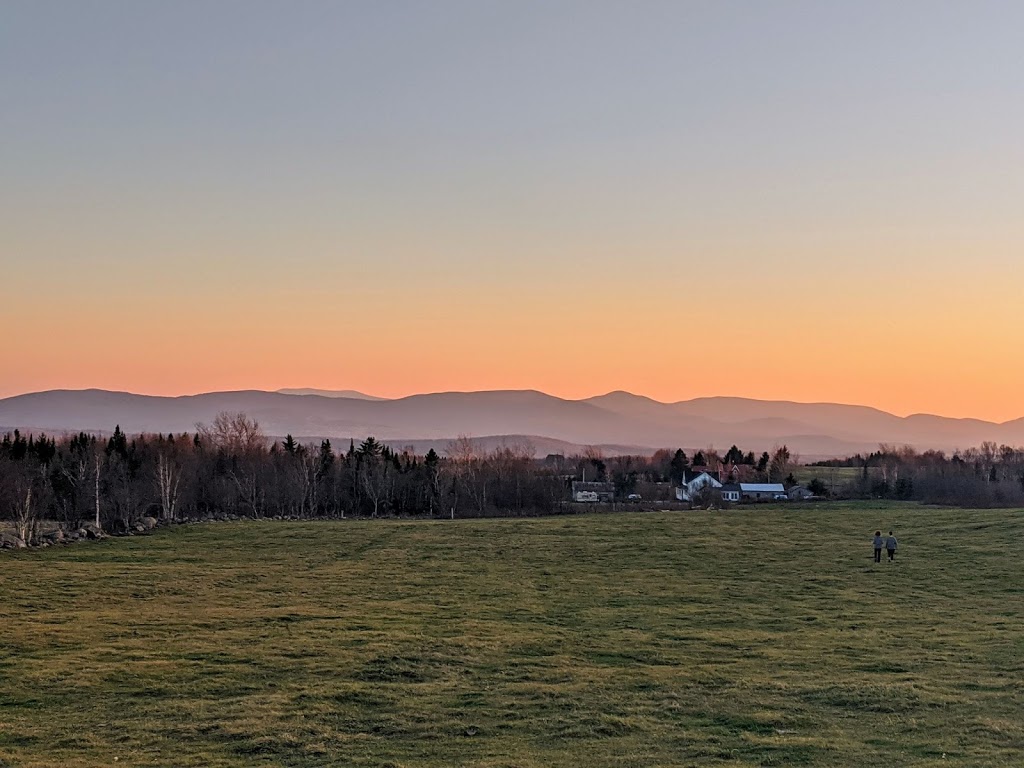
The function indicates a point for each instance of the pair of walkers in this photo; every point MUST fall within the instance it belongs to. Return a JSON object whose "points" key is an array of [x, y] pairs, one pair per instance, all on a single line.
{"points": [[889, 543]]}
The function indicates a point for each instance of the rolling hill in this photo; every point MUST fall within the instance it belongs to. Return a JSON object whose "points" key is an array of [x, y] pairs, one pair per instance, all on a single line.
{"points": [[346, 393], [617, 421]]}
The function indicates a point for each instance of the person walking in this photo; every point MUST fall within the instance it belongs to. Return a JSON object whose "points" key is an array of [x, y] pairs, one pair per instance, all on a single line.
{"points": [[890, 546], [878, 546]]}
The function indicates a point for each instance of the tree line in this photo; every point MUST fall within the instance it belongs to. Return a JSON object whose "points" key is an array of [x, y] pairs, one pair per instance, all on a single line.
{"points": [[986, 476], [231, 468]]}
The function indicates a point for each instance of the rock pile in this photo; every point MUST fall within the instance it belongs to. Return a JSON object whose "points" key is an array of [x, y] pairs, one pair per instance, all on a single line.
{"points": [[10, 541]]}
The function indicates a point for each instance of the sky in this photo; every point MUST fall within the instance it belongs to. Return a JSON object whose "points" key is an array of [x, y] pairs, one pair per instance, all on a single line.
{"points": [[813, 201]]}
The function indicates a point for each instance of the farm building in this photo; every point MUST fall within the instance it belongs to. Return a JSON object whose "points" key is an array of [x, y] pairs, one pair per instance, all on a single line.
{"points": [[694, 483], [588, 491], [731, 492], [762, 491]]}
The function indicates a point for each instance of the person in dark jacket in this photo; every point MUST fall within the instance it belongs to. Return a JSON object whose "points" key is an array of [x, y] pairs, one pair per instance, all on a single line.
{"points": [[878, 546], [890, 546]]}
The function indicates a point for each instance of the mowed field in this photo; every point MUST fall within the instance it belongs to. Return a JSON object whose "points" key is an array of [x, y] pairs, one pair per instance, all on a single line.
{"points": [[754, 637], [837, 477]]}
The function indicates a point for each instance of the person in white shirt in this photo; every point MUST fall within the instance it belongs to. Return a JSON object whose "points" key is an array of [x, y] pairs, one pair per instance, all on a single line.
{"points": [[890, 546], [878, 546]]}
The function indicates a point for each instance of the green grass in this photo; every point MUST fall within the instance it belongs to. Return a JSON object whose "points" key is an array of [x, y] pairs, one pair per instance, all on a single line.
{"points": [[839, 477], [761, 637]]}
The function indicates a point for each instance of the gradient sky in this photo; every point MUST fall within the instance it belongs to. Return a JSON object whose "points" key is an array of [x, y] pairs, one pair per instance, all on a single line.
{"points": [[794, 200]]}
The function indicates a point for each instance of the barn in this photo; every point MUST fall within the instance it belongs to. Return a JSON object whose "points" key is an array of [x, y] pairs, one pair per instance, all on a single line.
{"points": [[762, 491]]}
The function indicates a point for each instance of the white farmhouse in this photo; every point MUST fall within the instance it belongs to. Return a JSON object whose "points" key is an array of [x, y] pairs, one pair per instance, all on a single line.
{"points": [[694, 483]]}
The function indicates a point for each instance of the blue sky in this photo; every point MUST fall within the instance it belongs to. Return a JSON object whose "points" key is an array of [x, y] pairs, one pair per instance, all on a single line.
{"points": [[530, 165]]}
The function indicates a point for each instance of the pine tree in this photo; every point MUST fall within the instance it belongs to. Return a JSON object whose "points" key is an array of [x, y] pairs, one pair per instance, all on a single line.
{"points": [[326, 459], [678, 466], [118, 443], [370, 448], [734, 456]]}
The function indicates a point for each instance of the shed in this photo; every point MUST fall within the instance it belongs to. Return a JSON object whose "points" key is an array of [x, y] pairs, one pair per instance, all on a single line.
{"points": [[762, 491]]}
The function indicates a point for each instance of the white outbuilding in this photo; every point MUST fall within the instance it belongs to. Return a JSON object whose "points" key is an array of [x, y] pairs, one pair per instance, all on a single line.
{"points": [[763, 492]]}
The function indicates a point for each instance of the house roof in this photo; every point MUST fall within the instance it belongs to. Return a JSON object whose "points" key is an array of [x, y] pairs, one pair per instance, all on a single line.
{"points": [[738, 472], [692, 473], [762, 488], [712, 479]]}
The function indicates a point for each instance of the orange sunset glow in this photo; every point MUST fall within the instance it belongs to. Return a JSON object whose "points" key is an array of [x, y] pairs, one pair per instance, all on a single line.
{"points": [[457, 227], [493, 383]]}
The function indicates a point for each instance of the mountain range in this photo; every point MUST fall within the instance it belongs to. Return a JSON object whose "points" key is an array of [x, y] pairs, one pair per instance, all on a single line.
{"points": [[618, 422]]}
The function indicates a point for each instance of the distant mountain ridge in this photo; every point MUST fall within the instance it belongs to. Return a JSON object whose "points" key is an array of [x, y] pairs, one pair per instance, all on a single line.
{"points": [[349, 393], [617, 420]]}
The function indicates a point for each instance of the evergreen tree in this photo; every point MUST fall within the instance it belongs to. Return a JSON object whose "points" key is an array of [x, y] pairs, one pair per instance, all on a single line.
{"points": [[370, 448], [326, 459], [431, 460], [817, 487], [734, 456], [678, 466], [118, 443], [19, 448]]}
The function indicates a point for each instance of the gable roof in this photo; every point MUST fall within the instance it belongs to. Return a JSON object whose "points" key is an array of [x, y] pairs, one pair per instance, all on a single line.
{"points": [[692, 473], [762, 488], [703, 478]]}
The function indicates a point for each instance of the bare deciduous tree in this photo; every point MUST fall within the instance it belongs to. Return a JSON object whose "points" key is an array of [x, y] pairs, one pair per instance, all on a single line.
{"points": [[462, 466], [26, 508], [375, 480], [168, 479], [241, 439], [234, 433]]}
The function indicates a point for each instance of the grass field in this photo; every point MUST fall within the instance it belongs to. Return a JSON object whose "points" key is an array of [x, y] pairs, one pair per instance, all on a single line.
{"points": [[754, 638], [838, 477]]}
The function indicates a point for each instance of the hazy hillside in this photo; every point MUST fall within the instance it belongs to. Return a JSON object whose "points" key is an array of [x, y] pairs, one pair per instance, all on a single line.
{"points": [[542, 446], [618, 420], [349, 393]]}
